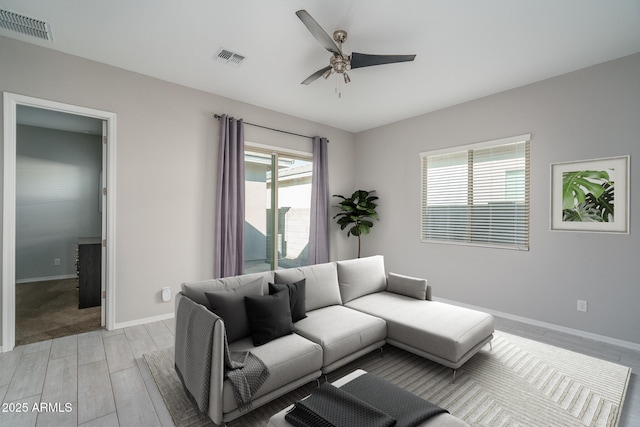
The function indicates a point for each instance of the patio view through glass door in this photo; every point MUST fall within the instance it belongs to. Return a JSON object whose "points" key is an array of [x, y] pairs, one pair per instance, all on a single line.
{"points": [[276, 238]]}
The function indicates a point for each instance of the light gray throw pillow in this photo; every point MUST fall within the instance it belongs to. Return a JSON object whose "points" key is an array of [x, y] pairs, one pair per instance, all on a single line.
{"points": [[409, 286]]}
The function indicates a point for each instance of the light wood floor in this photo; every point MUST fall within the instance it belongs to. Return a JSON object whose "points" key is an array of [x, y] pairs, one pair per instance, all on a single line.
{"points": [[106, 381]]}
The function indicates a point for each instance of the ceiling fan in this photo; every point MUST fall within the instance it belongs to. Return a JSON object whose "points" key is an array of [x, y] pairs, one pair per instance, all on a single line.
{"points": [[339, 62]]}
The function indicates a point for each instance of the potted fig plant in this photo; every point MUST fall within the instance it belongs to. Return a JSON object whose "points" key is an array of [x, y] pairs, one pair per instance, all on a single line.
{"points": [[356, 213]]}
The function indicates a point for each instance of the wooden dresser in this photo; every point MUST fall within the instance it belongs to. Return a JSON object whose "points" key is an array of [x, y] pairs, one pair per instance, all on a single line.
{"points": [[89, 263]]}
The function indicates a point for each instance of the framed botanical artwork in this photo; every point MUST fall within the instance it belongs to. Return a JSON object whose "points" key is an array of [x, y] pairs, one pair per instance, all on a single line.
{"points": [[591, 195]]}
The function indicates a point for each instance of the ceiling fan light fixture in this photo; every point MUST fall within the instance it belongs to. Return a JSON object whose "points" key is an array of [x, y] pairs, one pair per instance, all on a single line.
{"points": [[340, 63]]}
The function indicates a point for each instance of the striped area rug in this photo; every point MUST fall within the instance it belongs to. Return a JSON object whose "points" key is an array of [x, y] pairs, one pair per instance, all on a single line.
{"points": [[519, 382]]}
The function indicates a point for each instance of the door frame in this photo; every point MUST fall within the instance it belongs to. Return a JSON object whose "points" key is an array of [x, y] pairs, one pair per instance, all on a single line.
{"points": [[8, 282]]}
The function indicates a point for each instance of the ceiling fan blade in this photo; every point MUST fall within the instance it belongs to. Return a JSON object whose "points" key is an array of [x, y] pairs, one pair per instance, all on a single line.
{"points": [[359, 60], [316, 75], [316, 30]]}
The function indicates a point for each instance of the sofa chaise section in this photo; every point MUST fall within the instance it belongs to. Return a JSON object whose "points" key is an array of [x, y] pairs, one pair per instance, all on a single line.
{"points": [[444, 333]]}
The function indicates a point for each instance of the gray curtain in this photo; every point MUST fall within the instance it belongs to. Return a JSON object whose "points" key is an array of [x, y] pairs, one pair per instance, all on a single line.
{"points": [[229, 250], [319, 227]]}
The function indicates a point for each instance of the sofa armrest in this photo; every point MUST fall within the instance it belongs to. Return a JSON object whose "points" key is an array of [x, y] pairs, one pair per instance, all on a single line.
{"points": [[217, 373], [217, 363], [429, 296]]}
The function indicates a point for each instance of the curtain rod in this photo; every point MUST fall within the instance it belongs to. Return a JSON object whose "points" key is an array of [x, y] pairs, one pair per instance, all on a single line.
{"points": [[218, 116]]}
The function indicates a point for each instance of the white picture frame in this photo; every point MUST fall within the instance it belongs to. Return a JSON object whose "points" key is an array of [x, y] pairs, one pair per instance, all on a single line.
{"points": [[591, 195]]}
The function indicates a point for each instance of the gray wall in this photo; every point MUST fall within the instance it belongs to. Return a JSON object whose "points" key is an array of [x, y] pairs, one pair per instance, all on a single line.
{"points": [[587, 114], [167, 143], [57, 199]]}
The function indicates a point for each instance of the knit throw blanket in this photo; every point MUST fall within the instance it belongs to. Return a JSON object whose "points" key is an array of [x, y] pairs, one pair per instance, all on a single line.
{"points": [[246, 372], [193, 355]]}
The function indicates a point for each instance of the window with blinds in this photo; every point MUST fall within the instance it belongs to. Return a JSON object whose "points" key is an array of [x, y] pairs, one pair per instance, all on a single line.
{"points": [[477, 194]]}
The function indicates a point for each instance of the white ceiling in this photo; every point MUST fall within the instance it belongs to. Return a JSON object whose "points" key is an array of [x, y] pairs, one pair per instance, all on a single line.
{"points": [[465, 49]]}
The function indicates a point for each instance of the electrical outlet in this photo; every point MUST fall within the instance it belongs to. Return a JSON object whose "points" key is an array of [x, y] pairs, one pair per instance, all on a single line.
{"points": [[582, 305], [56, 261]]}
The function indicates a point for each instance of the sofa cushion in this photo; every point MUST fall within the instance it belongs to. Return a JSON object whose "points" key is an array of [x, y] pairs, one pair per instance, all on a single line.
{"points": [[269, 316], [321, 284], [297, 295], [362, 276], [405, 285], [288, 358], [230, 306], [195, 290], [341, 331], [447, 331]]}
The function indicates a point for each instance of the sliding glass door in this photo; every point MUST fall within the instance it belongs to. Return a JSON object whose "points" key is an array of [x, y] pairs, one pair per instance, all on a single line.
{"points": [[277, 210]]}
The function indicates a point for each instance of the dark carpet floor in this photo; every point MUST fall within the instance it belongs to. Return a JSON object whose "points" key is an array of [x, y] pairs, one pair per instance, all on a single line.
{"points": [[47, 310]]}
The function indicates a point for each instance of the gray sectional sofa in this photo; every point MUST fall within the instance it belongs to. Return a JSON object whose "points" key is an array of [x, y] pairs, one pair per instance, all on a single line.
{"points": [[350, 308]]}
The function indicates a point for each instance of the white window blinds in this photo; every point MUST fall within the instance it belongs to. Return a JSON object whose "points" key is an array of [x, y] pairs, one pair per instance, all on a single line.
{"points": [[477, 194]]}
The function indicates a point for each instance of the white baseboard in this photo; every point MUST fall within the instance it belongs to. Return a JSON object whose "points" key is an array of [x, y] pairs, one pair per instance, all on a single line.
{"points": [[588, 335], [143, 321], [46, 279]]}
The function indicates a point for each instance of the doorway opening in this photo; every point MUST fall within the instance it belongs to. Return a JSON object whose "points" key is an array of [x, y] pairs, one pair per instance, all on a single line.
{"points": [[58, 220]]}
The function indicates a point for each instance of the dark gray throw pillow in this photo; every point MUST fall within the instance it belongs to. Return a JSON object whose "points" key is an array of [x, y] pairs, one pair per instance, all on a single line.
{"points": [[269, 317], [229, 305], [297, 296]]}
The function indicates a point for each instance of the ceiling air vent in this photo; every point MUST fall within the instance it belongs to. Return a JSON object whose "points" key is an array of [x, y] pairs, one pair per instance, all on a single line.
{"points": [[227, 57], [24, 25]]}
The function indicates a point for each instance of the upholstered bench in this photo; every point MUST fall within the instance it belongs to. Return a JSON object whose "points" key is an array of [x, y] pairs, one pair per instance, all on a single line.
{"points": [[440, 420]]}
